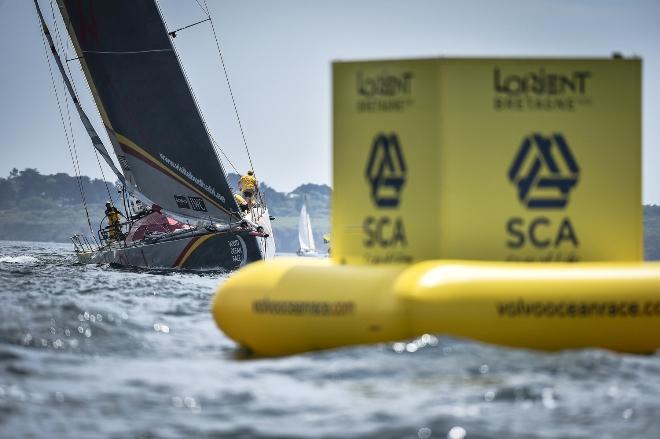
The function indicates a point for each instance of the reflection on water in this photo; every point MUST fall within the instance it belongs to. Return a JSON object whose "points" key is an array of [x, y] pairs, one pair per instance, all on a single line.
{"points": [[89, 351]]}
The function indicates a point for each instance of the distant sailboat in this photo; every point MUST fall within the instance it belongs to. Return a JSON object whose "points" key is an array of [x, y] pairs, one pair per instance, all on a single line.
{"points": [[191, 219], [306, 247]]}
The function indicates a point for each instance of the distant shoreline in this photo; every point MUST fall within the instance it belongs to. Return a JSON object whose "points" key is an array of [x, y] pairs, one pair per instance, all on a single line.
{"points": [[48, 208]]}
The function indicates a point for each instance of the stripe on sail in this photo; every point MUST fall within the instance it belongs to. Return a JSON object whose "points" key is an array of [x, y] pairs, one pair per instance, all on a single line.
{"points": [[130, 147]]}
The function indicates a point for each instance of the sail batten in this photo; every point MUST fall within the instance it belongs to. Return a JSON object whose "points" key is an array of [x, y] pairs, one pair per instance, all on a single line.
{"points": [[147, 107]]}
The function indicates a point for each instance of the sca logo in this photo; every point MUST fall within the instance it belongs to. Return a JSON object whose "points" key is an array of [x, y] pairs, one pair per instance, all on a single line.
{"points": [[386, 171], [545, 172], [386, 174]]}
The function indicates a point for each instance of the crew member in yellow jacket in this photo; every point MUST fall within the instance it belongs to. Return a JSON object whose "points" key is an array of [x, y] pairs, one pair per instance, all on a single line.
{"points": [[242, 204], [114, 221], [248, 186]]}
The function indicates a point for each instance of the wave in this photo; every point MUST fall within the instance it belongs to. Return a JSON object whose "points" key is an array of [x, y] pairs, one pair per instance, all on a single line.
{"points": [[20, 260]]}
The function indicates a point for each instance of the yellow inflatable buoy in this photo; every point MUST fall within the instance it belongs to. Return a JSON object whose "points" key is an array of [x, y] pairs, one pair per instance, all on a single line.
{"points": [[288, 306]]}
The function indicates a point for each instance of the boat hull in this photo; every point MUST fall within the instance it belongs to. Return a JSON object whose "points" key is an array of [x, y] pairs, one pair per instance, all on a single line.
{"points": [[212, 251]]}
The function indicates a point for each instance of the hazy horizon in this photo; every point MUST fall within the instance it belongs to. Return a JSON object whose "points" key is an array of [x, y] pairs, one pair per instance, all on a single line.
{"points": [[279, 55]]}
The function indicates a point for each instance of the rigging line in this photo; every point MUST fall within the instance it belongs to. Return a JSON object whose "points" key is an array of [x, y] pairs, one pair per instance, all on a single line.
{"points": [[66, 132], [66, 100], [75, 148], [62, 45], [62, 48], [192, 93], [90, 94], [107, 189], [59, 107], [261, 197], [96, 112], [206, 12], [231, 93], [74, 154], [225, 155], [73, 85], [216, 148], [173, 33], [60, 40], [76, 165]]}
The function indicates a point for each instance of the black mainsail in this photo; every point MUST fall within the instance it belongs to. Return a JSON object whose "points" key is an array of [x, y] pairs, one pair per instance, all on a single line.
{"points": [[147, 107]]}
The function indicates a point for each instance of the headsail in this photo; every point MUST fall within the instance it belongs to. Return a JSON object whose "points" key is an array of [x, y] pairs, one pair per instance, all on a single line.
{"points": [[146, 105], [305, 236]]}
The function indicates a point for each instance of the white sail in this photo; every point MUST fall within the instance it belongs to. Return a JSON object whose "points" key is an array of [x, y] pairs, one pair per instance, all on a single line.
{"points": [[305, 236]]}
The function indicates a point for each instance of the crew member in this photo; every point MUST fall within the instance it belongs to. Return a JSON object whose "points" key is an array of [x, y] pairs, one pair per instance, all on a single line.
{"points": [[248, 186], [326, 240], [242, 204], [114, 221]]}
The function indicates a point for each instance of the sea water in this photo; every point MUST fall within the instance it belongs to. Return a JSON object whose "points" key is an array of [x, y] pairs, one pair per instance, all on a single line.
{"points": [[95, 351]]}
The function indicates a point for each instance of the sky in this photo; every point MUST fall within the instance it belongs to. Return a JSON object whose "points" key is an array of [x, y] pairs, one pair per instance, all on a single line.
{"points": [[279, 54]]}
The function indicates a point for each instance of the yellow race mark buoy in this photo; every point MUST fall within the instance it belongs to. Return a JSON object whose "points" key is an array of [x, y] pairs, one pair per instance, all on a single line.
{"points": [[288, 306]]}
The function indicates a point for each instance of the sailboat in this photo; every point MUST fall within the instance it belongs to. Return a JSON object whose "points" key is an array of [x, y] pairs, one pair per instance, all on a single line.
{"points": [[189, 218], [307, 247]]}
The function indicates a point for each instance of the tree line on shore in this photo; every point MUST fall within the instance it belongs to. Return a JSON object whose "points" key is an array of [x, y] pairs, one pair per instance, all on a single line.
{"points": [[38, 207]]}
